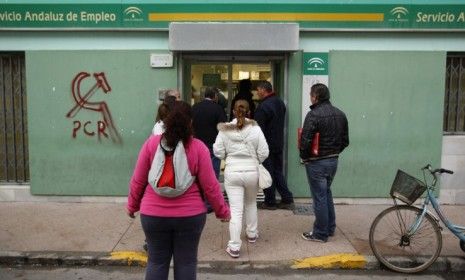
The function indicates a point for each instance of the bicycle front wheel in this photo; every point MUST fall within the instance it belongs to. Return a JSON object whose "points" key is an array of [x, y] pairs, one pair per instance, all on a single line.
{"points": [[401, 250]]}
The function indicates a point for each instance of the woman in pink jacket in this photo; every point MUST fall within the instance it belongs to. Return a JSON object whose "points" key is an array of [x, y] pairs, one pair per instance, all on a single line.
{"points": [[173, 217]]}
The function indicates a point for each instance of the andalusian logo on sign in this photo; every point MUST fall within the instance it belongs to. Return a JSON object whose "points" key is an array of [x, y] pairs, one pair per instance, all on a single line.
{"points": [[133, 14], [315, 64], [399, 14]]}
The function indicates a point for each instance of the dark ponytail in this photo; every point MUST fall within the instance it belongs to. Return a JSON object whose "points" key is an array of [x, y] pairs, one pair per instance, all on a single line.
{"points": [[178, 124], [241, 109]]}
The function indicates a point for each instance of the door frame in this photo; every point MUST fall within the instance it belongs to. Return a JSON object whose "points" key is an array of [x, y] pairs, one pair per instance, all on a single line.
{"points": [[280, 81]]}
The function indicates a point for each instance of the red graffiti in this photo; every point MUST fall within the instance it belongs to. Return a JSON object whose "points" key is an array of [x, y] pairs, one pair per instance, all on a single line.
{"points": [[82, 102], [101, 126]]}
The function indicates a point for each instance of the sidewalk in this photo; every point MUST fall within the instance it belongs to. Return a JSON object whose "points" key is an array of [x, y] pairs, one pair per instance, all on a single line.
{"points": [[102, 234]]}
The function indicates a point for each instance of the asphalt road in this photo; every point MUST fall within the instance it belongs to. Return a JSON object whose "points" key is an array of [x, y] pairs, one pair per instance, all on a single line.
{"points": [[133, 273]]}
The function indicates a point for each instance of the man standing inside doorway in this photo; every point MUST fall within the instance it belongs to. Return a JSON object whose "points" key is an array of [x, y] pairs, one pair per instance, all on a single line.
{"points": [[270, 116], [331, 124], [206, 115]]}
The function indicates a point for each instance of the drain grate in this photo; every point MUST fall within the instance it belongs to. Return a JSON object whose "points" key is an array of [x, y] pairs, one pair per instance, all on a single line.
{"points": [[303, 209]]}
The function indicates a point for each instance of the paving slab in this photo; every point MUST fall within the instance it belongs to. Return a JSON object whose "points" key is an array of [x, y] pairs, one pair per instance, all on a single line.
{"points": [[133, 238], [355, 221], [49, 226], [450, 243], [280, 238], [213, 242]]}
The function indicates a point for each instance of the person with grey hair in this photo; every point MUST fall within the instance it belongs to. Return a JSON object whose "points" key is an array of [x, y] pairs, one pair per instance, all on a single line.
{"points": [[175, 93], [162, 112]]}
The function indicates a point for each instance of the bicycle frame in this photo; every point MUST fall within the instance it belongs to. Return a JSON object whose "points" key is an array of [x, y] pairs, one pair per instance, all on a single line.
{"points": [[457, 230]]}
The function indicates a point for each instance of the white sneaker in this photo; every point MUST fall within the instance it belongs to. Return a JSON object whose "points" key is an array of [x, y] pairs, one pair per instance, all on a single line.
{"points": [[252, 239], [232, 253]]}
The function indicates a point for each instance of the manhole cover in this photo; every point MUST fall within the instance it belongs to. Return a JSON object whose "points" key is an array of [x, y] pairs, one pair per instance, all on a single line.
{"points": [[303, 209]]}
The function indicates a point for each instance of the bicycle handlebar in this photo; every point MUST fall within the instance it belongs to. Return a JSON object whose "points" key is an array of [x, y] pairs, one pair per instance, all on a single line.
{"points": [[438, 170], [433, 172], [442, 170]]}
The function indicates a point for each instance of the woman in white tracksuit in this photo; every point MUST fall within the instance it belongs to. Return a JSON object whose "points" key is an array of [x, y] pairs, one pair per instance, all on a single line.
{"points": [[241, 143]]}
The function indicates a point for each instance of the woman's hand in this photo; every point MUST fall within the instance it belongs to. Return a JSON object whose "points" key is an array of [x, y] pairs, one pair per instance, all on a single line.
{"points": [[130, 214], [226, 220]]}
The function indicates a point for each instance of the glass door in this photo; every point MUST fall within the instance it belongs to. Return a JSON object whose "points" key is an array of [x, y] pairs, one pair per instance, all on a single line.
{"points": [[226, 77], [205, 75], [225, 73]]}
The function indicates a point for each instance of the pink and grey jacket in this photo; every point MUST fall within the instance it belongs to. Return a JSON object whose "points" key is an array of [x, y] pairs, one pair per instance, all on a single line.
{"points": [[143, 198]]}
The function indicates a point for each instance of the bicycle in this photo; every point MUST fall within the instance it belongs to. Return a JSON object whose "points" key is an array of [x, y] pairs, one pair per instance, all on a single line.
{"points": [[407, 238]]}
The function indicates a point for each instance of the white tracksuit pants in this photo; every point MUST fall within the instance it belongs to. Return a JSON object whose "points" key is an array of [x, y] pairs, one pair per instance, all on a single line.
{"points": [[242, 188]]}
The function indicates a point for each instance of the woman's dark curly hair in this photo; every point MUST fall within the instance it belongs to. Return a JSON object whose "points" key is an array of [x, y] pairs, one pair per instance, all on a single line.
{"points": [[178, 124]]}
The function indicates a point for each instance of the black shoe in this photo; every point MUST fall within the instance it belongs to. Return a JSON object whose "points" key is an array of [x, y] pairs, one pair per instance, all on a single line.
{"points": [[286, 206], [329, 235], [267, 206], [310, 237]]}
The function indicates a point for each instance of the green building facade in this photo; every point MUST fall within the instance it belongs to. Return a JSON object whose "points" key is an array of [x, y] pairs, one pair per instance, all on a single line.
{"points": [[94, 72]]}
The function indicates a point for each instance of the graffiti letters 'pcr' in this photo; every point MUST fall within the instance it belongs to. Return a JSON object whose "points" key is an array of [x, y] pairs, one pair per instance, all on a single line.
{"points": [[104, 127]]}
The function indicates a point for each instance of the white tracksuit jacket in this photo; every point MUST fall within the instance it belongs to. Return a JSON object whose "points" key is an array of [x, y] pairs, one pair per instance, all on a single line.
{"points": [[230, 145]]}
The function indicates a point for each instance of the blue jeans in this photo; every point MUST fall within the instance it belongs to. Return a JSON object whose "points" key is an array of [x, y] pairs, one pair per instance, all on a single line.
{"points": [[320, 174], [216, 162], [172, 237], [274, 165]]}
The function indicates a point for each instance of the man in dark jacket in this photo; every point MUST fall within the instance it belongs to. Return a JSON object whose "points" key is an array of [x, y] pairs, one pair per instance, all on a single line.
{"points": [[331, 124], [245, 93], [270, 116], [205, 117]]}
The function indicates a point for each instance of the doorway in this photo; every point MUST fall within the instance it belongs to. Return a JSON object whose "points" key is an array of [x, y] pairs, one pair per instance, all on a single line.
{"points": [[225, 73]]}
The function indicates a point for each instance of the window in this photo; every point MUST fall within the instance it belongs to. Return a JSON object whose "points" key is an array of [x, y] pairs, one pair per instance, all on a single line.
{"points": [[14, 158], [454, 103]]}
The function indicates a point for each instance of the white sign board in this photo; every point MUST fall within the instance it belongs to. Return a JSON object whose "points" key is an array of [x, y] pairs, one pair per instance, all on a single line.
{"points": [[161, 60], [315, 70], [307, 83]]}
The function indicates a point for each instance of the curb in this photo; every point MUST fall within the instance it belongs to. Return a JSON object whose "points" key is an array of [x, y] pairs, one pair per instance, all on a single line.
{"points": [[349, 261], [60, 259], [133, 258]]}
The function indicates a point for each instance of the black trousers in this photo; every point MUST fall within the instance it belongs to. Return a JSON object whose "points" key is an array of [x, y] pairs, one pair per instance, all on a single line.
{"points": [[274, 165], [176, 238]]}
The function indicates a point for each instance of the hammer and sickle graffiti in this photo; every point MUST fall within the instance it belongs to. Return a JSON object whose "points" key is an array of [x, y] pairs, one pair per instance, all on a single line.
{"points": [[82, 102]]}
